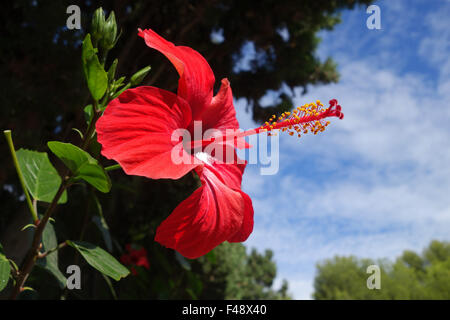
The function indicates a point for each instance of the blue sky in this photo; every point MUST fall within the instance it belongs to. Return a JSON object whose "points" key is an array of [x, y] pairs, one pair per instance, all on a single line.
{"points": [[377, 182]]}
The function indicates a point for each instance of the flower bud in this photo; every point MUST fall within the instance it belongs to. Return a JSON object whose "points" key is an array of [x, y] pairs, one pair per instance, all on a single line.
{"points": [[109, 32], [97, 25]]}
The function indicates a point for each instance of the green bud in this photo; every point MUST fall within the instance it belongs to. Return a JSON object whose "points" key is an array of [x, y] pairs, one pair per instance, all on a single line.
{"points": [[139, 76], [109, 32], [97, 25]]}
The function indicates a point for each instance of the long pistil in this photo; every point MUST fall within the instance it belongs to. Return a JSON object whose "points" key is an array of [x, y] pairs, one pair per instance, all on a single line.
{"points": [[304, 119]]}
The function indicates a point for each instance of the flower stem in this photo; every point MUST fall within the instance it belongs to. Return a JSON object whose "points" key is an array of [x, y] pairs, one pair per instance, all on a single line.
{"points": [[34, 253], [46, 253], [91, 128], [19, 173]]}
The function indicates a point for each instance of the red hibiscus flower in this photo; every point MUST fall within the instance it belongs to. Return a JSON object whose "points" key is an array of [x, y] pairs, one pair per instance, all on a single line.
{"points": [[136, 130], [135, 258]]}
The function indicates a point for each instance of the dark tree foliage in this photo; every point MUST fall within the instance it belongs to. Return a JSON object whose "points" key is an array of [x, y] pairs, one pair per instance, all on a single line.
{"points": [[411, 276], [231, 273], [43, 94]]}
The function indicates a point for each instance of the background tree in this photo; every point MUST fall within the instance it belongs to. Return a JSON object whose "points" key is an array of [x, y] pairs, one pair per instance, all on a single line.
{"points": [[411, 276], [43, 91], [231, 273]]}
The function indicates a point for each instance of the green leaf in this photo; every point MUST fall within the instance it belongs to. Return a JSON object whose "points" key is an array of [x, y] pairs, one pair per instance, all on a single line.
{"points": [[100, 222], [96, 76], [41, 178], [50, 262], [88, 113], [82, 165], [5, 269], [100, 259]]}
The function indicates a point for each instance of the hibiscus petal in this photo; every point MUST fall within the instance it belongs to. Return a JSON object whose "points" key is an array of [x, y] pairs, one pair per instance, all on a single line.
{"points": [[231, 174], [221, 114], [247, 223], [196, 77], [136, 131], [214, 213]]}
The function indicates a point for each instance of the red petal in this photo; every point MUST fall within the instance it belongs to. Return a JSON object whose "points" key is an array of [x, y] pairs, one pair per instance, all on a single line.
{"points": [[143, 262], [196, 77], [231, 174], [247, 223], [221, 114], [213, 214], [136, 129]]}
